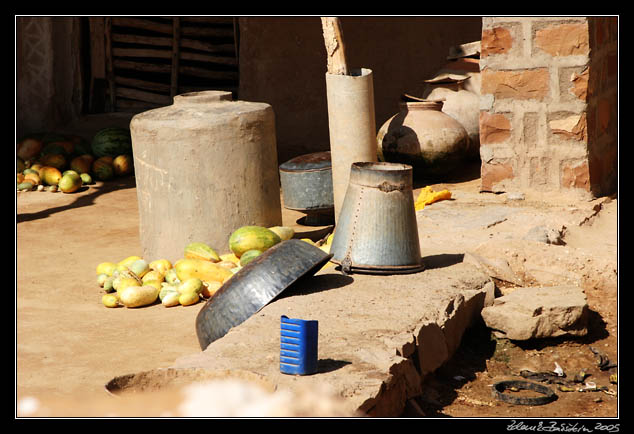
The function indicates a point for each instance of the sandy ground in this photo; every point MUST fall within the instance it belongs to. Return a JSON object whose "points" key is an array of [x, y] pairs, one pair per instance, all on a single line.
{"points": [[68, 345]]}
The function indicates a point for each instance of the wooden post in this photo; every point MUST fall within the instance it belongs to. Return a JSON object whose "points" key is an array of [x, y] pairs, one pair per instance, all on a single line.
{"points": [[335, 48], [109, 63], [97, 57]]}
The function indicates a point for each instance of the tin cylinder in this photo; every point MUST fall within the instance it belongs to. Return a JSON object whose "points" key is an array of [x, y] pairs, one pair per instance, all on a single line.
{"points": [[204, 166], [307, 182], [352, 126], [377, 230]]}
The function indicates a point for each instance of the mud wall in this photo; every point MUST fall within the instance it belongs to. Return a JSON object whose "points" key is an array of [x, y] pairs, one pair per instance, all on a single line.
{"points": [[283, 63], [49, 88]]}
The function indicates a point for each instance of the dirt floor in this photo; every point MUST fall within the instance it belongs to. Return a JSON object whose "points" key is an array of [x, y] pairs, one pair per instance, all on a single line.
{"points": [[68, 345]]}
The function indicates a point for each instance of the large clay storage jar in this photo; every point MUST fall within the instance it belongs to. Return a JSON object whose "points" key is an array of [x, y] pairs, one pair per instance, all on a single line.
{"points": [[458, 84], [421, 135], [205, 166]]}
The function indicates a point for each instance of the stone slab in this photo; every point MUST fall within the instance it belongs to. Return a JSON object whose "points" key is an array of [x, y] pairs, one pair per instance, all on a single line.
{"points": [[374, 348], [539, 312]]}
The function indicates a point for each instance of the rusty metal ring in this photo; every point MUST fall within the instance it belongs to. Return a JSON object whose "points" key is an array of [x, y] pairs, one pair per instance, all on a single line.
{"points": [[500, 387]]}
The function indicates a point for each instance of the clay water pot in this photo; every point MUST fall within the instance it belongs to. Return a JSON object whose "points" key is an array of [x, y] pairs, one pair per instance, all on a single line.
{"points": [[459, 103], [425, 137], [458, 84]]}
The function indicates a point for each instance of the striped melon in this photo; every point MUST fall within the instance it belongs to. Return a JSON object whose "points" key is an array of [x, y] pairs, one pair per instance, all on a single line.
{"points": [[197, 250], [112, 141], [252, 238], [102, 168], [63, 147], [82, 163], [54, 160], [249, 256], [29, 148]]}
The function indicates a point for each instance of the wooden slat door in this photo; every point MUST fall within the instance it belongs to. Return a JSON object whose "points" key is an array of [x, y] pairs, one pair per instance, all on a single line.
{"points": [[139, 63]]}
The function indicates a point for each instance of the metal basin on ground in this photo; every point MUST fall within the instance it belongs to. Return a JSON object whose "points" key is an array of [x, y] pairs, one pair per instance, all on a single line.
{"points": [[255, 285]]}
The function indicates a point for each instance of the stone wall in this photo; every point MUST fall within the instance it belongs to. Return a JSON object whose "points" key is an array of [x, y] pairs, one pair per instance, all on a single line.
{"points": [[548, 118]]}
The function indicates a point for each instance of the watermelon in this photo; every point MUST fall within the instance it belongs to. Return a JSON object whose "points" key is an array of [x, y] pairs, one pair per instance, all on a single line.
{"points": [[81, 146], [59, 147], [102, 169], [112, 141]]}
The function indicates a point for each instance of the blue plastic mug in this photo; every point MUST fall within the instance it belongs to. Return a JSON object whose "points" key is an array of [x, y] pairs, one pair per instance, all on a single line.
{"points": [[298, 346]]}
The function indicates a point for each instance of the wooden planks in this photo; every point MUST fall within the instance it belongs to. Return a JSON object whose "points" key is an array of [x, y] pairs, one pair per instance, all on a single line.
{"points": [[148, 60]]}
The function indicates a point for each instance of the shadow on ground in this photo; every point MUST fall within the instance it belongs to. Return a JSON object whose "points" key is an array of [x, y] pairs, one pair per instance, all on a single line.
{"points": [[82, 200]]}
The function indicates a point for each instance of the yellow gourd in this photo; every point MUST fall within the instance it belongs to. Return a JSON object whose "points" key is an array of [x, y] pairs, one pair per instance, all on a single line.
{"points": [[186, 268]]}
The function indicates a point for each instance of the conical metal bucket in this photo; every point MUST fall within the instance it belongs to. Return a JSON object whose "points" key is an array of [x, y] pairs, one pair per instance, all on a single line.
{"points": [[377, 231]]}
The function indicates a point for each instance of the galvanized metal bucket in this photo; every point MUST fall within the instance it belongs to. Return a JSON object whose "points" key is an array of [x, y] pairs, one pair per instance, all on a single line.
{"points": [[377, 231], [306, 183]]}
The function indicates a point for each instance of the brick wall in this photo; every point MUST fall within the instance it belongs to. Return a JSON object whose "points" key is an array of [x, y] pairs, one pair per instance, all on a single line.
{"points": [[548, 114]]}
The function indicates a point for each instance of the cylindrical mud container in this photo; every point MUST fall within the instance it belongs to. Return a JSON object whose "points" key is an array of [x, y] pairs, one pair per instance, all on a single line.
{"points": [[204, 166]]}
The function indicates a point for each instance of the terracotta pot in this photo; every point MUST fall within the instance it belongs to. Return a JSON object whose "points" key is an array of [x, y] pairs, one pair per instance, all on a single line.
{"points": [[421, 135], [459, 103]]}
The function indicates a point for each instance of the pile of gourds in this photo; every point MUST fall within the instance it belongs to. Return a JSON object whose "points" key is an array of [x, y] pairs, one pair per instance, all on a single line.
{"points": [[198, 275], [55, 162]]}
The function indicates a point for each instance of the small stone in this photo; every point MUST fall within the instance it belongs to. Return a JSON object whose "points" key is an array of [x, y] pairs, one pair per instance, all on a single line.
{"points": [[544, 234], [515, 195]]}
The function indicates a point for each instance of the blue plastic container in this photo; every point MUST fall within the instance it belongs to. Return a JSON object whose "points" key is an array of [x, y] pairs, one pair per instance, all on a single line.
{"points": [[298, 346]]}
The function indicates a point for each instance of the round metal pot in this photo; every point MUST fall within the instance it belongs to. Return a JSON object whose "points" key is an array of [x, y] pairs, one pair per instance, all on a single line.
{"points": [[255, 285], [306, 183]]}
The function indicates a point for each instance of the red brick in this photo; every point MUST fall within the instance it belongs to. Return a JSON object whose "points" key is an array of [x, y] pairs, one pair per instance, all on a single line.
{"points": [[578, 131], [518, 84], [563, 39], [492, 173], [575, 174], [580, 84], [495, 41], [494, 128]]}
